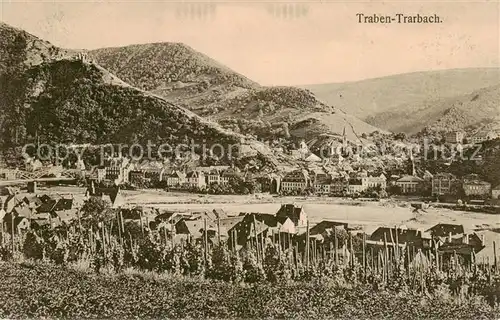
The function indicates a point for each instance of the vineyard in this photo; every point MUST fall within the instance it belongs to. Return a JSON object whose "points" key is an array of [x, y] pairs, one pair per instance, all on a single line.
{"points": [[107, 245]]}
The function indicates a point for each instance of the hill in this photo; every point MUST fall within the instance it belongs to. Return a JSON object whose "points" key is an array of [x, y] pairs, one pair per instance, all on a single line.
{"points": [[64, 99], [186, 77], [389, 101], [72, 101], [20, 50], [470, 110]]}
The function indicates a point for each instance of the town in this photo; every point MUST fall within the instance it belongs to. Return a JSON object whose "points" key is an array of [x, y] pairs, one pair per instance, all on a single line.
{"points": [[342, 173], [247, 160]]}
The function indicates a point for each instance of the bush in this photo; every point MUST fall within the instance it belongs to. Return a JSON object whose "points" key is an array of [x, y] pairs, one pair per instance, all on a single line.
{"points": [[57, 292]]}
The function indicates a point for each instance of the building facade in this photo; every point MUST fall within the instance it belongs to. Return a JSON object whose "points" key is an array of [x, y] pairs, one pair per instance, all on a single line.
{"points": [[476, 188], [196, 179], [454, 137], [442, 184], [297, 180], [410, 184]]}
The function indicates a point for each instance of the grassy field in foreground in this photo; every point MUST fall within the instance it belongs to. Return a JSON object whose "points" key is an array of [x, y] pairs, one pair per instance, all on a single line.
{"points": [[35, 291]]}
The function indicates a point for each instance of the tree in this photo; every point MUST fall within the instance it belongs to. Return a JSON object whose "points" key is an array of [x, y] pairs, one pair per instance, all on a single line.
{"points": [[94, 211], [394, 190], [400, 136]]}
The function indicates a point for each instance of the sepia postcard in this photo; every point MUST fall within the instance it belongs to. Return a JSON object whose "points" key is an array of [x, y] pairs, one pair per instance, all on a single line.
{"points": [[315, 159]]}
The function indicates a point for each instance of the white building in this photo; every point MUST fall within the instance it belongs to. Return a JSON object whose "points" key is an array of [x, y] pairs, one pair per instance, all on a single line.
{"points": [[409, 184]]}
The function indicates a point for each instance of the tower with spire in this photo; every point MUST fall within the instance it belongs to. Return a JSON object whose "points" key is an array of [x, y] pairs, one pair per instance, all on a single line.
{"points": [[412, 159], [344, 139]]}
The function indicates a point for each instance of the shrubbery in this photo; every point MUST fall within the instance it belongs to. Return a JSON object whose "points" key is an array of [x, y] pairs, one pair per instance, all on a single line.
{"points": [[57, 292]]}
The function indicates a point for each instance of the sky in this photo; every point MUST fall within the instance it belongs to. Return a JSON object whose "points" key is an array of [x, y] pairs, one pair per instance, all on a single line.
{"points": [[314, 42]]}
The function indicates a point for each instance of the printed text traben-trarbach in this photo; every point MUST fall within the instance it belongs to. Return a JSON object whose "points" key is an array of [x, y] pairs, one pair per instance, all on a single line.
{"points": [[398, 18]]}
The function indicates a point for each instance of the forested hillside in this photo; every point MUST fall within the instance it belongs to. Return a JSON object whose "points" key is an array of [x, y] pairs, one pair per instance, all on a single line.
{"points": [[188, 78]]}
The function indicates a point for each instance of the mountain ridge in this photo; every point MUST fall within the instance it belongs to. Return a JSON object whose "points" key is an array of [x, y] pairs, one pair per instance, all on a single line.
{"points": [[387, 102], [257, 110], [65, 98]]}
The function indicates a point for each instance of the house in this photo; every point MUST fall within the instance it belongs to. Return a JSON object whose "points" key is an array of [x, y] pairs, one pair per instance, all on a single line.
{"points": [[214, 177], [476, 188], [117, 169], [228, 174], [207, 214], [276, 224], [196, 179], [10, 202], [33, 201], [65, 216], [22, 211], [301, 152], [311, 157], [297, 180], [21, 223], [100, 174], [339, 185], [137, 177], [47, 206], [355, 186], [322, 183], [295, 213], [219, 213], [461, 244], [8, 175], [193, 228], [153, 170], [176, 179], [64, 204], [402, 236], [169, 219], [443, 184], [483, 135], [409, 184], [45, 198], [247, 229], [454, 137], [228, 223], [495, 192], [112, 195], [445, 229], [379, 181], [324, 226]]}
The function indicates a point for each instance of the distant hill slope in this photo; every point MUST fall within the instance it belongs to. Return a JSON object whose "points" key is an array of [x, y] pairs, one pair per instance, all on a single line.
{"points": [[20, 50], [73, 101], [448, 114], [392, 103], [196, 82], [65, 99]]}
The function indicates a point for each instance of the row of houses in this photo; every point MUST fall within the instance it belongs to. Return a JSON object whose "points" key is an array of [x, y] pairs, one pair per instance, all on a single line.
{"points": [[438, 184], [441, 184], [21, 213], [290, 222], [326, 183], [472, 185], [120, 170], [458, 137]]}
